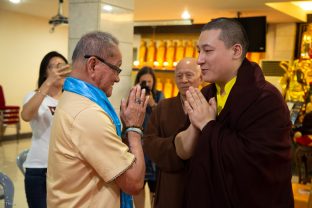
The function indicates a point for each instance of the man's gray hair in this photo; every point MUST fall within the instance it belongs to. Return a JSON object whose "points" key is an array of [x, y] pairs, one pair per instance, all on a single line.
{"points": [[95, 43]]}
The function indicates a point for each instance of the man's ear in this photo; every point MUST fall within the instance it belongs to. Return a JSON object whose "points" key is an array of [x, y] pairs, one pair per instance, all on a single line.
{"points": [[90, 67], [237, 51]]}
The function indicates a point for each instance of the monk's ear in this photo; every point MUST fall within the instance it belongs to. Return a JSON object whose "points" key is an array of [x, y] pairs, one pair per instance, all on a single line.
{"points": [[237, 51]]}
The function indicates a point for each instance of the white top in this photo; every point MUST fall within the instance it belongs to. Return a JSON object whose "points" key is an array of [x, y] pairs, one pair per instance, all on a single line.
{"points": [[41, 128]]}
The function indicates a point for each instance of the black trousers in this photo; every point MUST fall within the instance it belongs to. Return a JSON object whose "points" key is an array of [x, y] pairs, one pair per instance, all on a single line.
{"points": [[35, 187]]}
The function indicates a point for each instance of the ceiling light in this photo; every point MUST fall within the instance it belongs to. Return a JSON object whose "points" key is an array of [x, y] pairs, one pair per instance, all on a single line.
{"points": [[108, 8], [185, 15], [305, 5], [15, 1]]}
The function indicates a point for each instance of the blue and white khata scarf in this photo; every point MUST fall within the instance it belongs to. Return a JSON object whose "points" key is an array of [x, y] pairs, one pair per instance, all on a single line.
{"points": [[98, 96]]}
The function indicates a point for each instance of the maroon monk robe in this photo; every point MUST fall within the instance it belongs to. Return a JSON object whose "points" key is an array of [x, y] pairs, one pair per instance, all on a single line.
{"points": [[243, 158], [165, 121]]}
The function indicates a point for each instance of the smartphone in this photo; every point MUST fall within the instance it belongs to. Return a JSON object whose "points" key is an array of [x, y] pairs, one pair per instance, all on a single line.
{"points": [[144, 86]]}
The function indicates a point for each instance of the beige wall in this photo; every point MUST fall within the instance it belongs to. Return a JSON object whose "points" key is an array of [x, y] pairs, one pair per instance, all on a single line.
{"points": [[23, 43], [280, 41]]}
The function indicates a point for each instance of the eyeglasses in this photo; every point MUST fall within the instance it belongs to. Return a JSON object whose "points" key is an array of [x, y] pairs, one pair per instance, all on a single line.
{"points": [[114, 67]]}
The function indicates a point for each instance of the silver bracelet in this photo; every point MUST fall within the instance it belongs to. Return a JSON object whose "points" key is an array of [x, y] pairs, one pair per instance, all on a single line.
{"points": [[134, 129]]}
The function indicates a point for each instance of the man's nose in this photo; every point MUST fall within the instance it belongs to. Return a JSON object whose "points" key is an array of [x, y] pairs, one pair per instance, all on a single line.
{"points": [[184, 78], [117, 78], [200, 59]]}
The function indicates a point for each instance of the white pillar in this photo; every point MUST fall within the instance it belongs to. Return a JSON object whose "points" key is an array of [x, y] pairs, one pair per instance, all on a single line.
{"points": [[90, 15]]}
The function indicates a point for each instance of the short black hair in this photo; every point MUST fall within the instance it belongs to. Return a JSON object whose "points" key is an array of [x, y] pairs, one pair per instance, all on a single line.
{"points": [[232, 32]]}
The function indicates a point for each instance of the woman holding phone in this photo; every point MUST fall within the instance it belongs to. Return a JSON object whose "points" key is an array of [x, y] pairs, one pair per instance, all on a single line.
{"points": [[38, 110]]}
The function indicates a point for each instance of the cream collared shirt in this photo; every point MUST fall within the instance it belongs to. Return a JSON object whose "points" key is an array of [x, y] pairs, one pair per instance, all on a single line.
{"points": [[85, 156]]}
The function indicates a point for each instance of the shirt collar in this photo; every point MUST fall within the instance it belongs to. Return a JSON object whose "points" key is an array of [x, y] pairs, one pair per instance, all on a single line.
{"points": [[228, 86]]}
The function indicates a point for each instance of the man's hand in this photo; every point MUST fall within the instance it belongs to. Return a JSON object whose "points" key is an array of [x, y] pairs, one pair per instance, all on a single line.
{"points": [[133, 109], [199, 110]]}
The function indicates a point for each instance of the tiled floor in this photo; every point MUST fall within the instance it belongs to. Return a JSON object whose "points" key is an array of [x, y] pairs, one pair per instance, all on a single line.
{"points": [[8, 152]]}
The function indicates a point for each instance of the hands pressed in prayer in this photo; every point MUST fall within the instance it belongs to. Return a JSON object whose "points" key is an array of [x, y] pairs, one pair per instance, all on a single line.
{"points": [[199, 110], [133, 109]]}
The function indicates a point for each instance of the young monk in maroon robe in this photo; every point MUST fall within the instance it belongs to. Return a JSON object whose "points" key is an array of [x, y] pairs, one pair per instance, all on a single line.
{"points": [[238, 141]]}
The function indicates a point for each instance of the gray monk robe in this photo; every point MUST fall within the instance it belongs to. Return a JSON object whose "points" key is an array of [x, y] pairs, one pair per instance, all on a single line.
{"points": [[243, 158], [165, 121]]}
